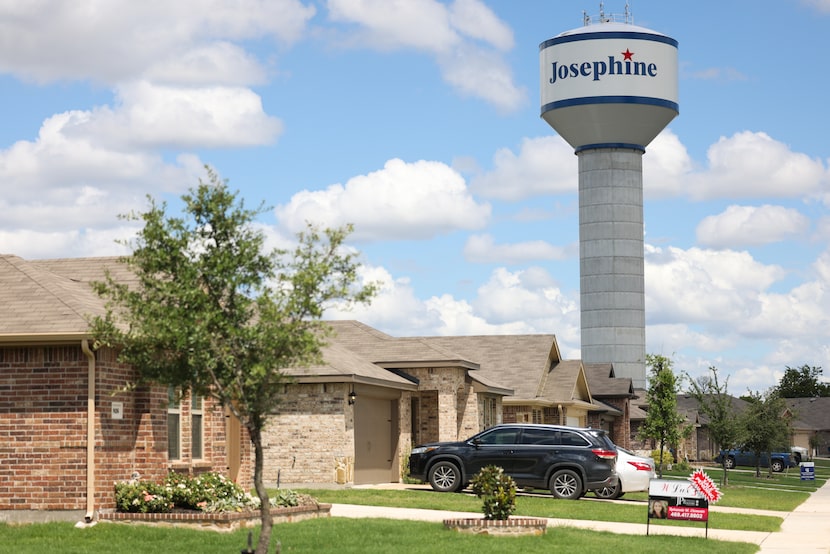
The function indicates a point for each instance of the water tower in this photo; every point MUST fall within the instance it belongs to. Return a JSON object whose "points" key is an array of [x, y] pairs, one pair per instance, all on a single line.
{"points": [[608, 88]]}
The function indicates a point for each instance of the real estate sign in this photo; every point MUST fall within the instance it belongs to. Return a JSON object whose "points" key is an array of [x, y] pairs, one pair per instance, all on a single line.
{"points": [[675, 499]]}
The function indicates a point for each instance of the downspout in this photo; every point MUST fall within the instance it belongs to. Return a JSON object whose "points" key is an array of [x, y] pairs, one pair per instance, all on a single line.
{"points": [[90, 433]]}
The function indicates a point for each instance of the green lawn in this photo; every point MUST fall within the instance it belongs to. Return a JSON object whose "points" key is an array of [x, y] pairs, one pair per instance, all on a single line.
{"points": [[340, 535]]}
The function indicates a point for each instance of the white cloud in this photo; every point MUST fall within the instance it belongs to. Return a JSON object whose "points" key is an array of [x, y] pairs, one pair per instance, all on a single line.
{"points": [[697, 285], [751, 226], [465, 38], [544, 165], [483, 249], [476, 20], [753, 165], [112, 40], [665, 165], [153, 116], [526, 301], [401, 201]]}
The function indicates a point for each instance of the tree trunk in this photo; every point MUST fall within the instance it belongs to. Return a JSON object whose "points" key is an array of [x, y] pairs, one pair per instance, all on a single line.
{"points": [[265, 503]]}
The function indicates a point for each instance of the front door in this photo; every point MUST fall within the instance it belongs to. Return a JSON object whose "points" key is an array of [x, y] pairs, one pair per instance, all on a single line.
{"points": [[374, 453]]}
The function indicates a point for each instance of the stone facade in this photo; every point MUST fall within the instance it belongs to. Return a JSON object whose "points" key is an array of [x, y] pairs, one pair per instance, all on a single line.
{"points": [[311, 439]]}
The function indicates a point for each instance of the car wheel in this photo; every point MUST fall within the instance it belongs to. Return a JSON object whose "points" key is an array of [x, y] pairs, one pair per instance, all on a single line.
{"points": [[566, 484], [608, 493], [445, 477], [729, 463], [777, 466]]}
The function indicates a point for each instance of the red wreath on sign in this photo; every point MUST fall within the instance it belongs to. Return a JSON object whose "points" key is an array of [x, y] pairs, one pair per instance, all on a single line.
{"points": [[705, 486]]}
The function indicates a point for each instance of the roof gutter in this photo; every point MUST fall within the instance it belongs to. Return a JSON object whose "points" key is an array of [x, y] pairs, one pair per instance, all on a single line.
{"points": [[90, 433]]}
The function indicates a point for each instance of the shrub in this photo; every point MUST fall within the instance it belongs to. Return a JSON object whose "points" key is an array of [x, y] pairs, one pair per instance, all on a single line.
{"points": [[208, 492], [142, 497], [497, 490]]}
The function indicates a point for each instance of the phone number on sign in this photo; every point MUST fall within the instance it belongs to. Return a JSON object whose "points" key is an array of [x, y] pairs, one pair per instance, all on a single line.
{"points": [[688, 513]]}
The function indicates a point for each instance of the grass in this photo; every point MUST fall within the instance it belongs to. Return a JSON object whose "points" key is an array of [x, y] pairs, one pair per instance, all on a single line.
{"points": [[539, 505], [344, 536]]}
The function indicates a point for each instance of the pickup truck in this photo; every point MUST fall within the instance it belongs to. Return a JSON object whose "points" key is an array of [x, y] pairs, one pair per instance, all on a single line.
{"points": [[778, 460]]}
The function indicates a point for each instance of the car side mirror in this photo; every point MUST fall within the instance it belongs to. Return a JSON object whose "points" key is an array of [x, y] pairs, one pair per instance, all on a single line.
{"points": [[476, 442]]}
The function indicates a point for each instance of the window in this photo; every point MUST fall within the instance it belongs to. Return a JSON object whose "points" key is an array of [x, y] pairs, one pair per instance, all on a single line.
{"points": [[196, 417], [537, 416], [540, 436], [490, 416], [573, 439], [500, 436], [174, 416]]}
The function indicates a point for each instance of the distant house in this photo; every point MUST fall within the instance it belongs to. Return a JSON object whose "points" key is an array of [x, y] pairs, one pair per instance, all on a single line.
{"points": [[413, 390], [811, 423], [69, 429]]}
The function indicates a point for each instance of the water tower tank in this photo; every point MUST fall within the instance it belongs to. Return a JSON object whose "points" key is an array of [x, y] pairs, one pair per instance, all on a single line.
{"points": [[608, 88], [609, 84]]}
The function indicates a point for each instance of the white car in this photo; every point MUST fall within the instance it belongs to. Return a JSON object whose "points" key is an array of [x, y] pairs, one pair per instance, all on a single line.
{"points": [[634, 472]]}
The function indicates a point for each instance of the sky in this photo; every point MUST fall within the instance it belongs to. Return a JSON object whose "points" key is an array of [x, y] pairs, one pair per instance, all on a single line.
{"points": [[418, 121]]}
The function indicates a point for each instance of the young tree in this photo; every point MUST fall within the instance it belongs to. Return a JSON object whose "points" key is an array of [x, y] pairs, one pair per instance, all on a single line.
{"points": [[663, 423], [716, 404], [802, 382], [764, 428], [215, 314]]}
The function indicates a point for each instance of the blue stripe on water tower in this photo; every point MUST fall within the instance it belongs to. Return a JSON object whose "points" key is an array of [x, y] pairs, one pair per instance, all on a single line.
{"points": [[646, 100], [608, 35]]}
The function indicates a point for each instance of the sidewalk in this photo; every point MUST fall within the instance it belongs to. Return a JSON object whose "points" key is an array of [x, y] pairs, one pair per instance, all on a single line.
{"points": [[805, 530]]}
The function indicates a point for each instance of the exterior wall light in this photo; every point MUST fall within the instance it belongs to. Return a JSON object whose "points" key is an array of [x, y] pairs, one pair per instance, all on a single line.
{"points": [[352, 397]]}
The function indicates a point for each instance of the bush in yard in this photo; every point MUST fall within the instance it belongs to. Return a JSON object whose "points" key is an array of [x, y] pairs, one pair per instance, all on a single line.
{"points": [[142, 497], [195, 493], [208, 492], [497, 490]]}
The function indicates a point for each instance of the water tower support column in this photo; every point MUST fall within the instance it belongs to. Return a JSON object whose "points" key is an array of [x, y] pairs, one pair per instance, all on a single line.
{"points": [[612, 290]]}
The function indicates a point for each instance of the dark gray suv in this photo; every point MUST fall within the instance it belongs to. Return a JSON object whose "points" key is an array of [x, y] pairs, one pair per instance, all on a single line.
{"points": [[567, 460]]}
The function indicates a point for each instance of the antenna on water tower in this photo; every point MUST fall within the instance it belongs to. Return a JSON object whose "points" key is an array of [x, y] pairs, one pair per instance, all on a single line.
{"points": [[608, 89]]}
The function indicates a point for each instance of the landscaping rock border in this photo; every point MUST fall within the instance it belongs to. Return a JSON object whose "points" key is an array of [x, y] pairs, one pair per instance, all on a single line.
{"points": [[222, 522], [512, 526]]}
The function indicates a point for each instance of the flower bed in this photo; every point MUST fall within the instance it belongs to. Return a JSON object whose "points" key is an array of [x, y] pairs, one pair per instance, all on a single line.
{"points": [[207, 501], [222, 521]]}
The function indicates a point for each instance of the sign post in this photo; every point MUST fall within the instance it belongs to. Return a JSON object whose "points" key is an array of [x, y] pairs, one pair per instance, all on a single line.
{"points": [[682, 500], [808, 471]]}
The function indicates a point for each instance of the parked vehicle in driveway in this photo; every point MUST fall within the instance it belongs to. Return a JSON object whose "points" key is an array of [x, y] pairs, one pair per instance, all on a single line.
{"points": [[567, 460], [800, 454], [634, 473], [778, 461]]}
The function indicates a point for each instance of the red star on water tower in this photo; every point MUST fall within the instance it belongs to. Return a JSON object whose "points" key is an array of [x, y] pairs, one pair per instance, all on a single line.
{"points": [[627, 54]]}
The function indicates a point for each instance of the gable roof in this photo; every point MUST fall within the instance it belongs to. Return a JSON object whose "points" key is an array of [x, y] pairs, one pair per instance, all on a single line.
{"points": [[515, 361], [409, 352], [340, 365], [810, 413], [49, 299], [604, 383]]}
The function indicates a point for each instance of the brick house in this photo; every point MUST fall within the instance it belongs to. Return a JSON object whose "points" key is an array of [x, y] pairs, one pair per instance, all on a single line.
{"points": [[68, 429]]}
